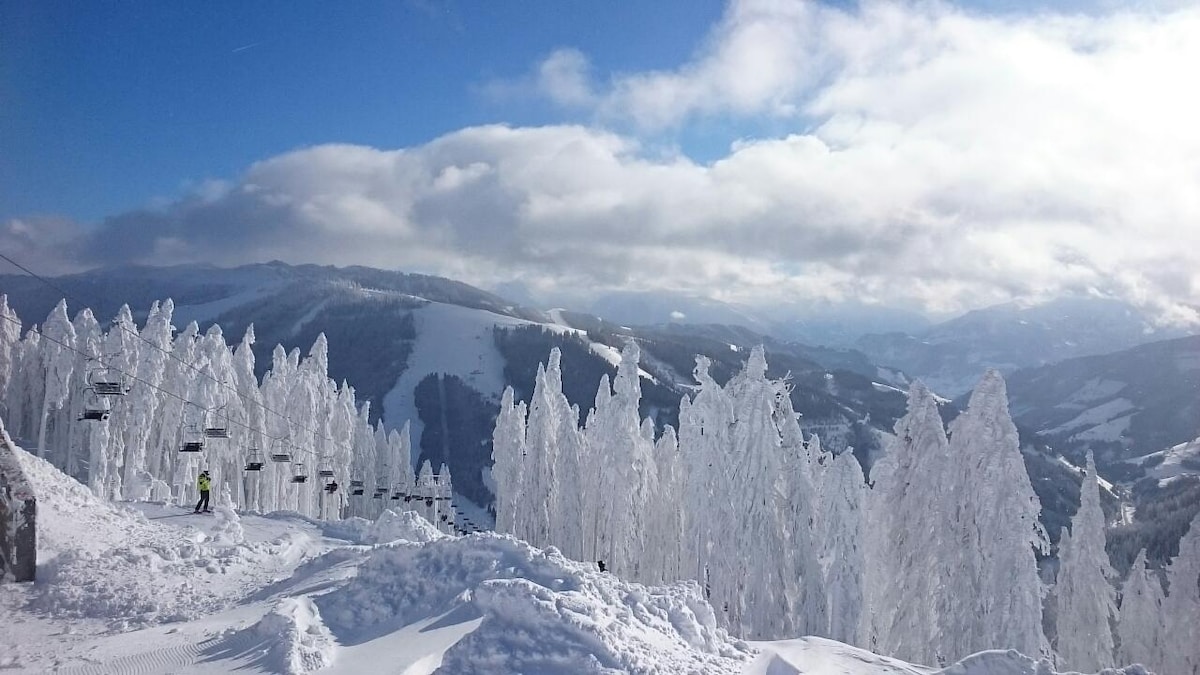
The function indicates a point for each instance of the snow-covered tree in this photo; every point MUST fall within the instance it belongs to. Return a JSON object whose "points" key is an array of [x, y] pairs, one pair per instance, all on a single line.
{"points": [[613, 431], [145, 404], [10, 335], [908, 526], [1086, 599], [1181, 643], [843, 496], [1141, 627], [508, 469], [58, 359], [994, 601]]}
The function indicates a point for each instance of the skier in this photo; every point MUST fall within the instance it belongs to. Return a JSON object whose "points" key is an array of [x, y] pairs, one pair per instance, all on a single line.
{"points": [[204, 482]]}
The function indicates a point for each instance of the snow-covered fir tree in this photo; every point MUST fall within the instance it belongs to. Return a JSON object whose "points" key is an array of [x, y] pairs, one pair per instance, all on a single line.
{"points": [[177, 388], [994, 599], [1085, 597], [1181, 639], [1141, 627], [909, 525], [843, 561]]}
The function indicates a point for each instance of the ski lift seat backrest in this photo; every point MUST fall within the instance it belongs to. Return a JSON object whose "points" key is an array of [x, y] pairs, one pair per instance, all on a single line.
{"points": [[356, 483], [105, 388], [331, 487], [281, 456], [191, 446], [254, 460], [356, 491], [298, 474], [325, 472], [216, 432], [93, 415]]}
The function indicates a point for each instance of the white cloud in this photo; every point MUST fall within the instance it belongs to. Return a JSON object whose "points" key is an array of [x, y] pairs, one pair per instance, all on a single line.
{"points": [[941, 157]]}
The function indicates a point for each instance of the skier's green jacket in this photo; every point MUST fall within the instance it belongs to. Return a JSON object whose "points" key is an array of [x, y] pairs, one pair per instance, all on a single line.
{"points": [[204, 483]]}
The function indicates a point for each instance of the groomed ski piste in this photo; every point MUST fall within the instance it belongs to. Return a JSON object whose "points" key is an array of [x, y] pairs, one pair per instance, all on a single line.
{"points": [[153, 588]]}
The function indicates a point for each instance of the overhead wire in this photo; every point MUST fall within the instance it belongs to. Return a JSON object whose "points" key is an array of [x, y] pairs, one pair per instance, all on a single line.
{"points": [[176, 357]]}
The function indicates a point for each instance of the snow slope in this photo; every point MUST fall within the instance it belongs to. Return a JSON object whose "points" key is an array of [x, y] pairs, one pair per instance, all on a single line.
{"points": [[155, 589], [454, 340]]}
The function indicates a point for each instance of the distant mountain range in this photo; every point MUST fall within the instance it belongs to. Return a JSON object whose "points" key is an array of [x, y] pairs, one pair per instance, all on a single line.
{"points": [[1119, 405], [949, 356], [438, 353]]}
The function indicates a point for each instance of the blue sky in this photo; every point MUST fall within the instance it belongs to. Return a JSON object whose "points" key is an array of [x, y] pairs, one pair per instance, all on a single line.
{"points": [[944, 156], [107, 105]]}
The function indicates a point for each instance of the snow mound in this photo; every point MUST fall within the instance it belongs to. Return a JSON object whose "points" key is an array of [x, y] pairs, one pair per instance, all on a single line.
{"points": [[1014, 663], [294, 637], [228, 528], [71, 519], [819, 656], [148, 583], [407, 526], [540, 611]]}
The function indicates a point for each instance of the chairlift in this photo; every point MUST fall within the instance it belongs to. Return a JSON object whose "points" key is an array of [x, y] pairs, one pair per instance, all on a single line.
{"points": [[356, 491], [356, 483], [212, 429], [445, 517], [429, 501], [407, 498], [326, 471], [298, 475], [102, 383], [95, 409], [254, 460], [331, 487], [281, 455], [193, 441]]}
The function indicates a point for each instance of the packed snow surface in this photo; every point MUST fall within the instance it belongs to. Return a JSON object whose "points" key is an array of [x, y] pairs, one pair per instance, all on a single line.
{"points": [[148, 588]]}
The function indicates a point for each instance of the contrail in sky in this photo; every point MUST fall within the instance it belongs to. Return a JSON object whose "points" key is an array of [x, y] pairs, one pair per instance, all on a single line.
{"points": [[245, 47]]}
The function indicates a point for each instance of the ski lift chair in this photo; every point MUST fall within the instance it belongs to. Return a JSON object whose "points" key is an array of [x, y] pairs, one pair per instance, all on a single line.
{"points": [[445, 517], [192, 440], [407, 498], [254, 460], [331, 487], [95, 409], [429, 501], [356, 491], [103, 384], [281, 455], [298, 475], [213, 429], [326, 470]]}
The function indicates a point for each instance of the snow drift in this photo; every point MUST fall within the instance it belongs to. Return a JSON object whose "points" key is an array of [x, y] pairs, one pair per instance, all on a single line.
{"points": [[540, 611]]}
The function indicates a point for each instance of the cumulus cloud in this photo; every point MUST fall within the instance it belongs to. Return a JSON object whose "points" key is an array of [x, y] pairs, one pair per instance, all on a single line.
{"points": [[941, 157]]}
